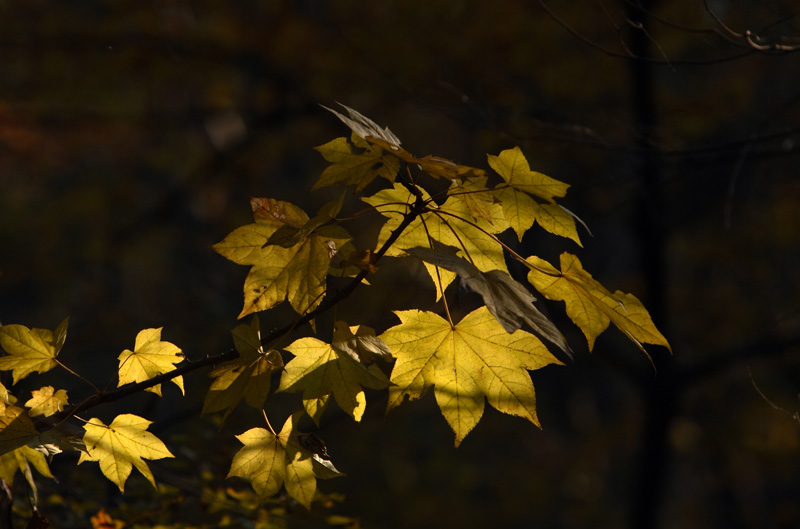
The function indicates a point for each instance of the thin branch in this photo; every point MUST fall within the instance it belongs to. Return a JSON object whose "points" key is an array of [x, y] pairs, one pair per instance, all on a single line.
{"points": [[188, 366]]}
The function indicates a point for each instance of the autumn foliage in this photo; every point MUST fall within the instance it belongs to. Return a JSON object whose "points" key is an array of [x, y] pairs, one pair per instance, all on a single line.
{"points": [[450, 218]]}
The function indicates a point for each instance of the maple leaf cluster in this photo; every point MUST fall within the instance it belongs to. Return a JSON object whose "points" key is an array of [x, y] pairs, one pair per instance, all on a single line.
{"points": [[455, 232]]}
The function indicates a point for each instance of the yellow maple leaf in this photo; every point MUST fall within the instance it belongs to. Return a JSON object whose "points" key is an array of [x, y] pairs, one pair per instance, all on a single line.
{"points": [[30, 350], [516, 196], [47, 401], [590, 305], [247, 377], [269, 461], [476, 197], [451, 223], [123, 444], [355, 164], [319, 371], [297, 272], [21, 459], [512, 166], [150, 357], [465, 363]]}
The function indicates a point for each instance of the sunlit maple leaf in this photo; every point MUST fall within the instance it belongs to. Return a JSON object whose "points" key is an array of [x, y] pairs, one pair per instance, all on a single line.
{"points": [[516, 196], [297, 272], [590, 305], [464, 363], [150, 357], [477, 199], [319, 371], [269, 461], [451, 224], [357, 163], [122, 444], [512, 166], [247, 377], [47, 401], [30, 350], [22, 459]]}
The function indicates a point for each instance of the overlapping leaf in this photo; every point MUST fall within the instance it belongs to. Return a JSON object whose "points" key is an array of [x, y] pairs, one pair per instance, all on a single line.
{"points": [[22, 459], [247, 377], [516, 196], [357, 163], [451, 223], [509, 301], [590, 305], [464, 363], [30, 350], [269, 461], [123, 444], [47, 401], [150, 357], [297, 272], [320, 370], [16, 427]]}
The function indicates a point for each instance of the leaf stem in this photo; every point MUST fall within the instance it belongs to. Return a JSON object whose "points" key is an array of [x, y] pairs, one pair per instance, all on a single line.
{"points": [[59, 362]]}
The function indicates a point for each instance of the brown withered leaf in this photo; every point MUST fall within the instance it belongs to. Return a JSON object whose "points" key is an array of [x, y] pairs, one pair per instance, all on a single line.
{"points": [[508, 300]]}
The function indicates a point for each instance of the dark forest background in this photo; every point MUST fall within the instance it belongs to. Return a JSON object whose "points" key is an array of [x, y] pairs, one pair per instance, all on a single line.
{"points": [[132, 135]]}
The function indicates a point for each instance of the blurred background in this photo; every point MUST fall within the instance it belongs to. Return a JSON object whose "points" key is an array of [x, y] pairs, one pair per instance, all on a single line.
{"points": [[132, 135]]}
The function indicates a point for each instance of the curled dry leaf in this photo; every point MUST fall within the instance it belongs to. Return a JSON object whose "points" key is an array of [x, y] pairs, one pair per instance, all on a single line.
{"points": [[508, 300]]}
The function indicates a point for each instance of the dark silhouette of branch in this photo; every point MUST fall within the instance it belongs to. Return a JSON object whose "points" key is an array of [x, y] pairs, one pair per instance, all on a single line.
{"points": [[631, 55]]}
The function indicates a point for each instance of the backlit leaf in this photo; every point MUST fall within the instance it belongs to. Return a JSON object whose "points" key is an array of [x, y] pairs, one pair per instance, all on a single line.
{"points": [[123, 444], [297, 272], [47, 401], [269, 461], [30, 350], [465, 363], [512, 166], [22, 459], [451, 224], [150, 357], [357, 163], [319, 370], [590, 305]]}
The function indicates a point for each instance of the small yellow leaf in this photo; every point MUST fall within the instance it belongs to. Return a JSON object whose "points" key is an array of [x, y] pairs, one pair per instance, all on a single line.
{"points": [[512, 166], [122, 444], [47, 401], [465, 363], [150, 357], [590, 305], [29, 350]]}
